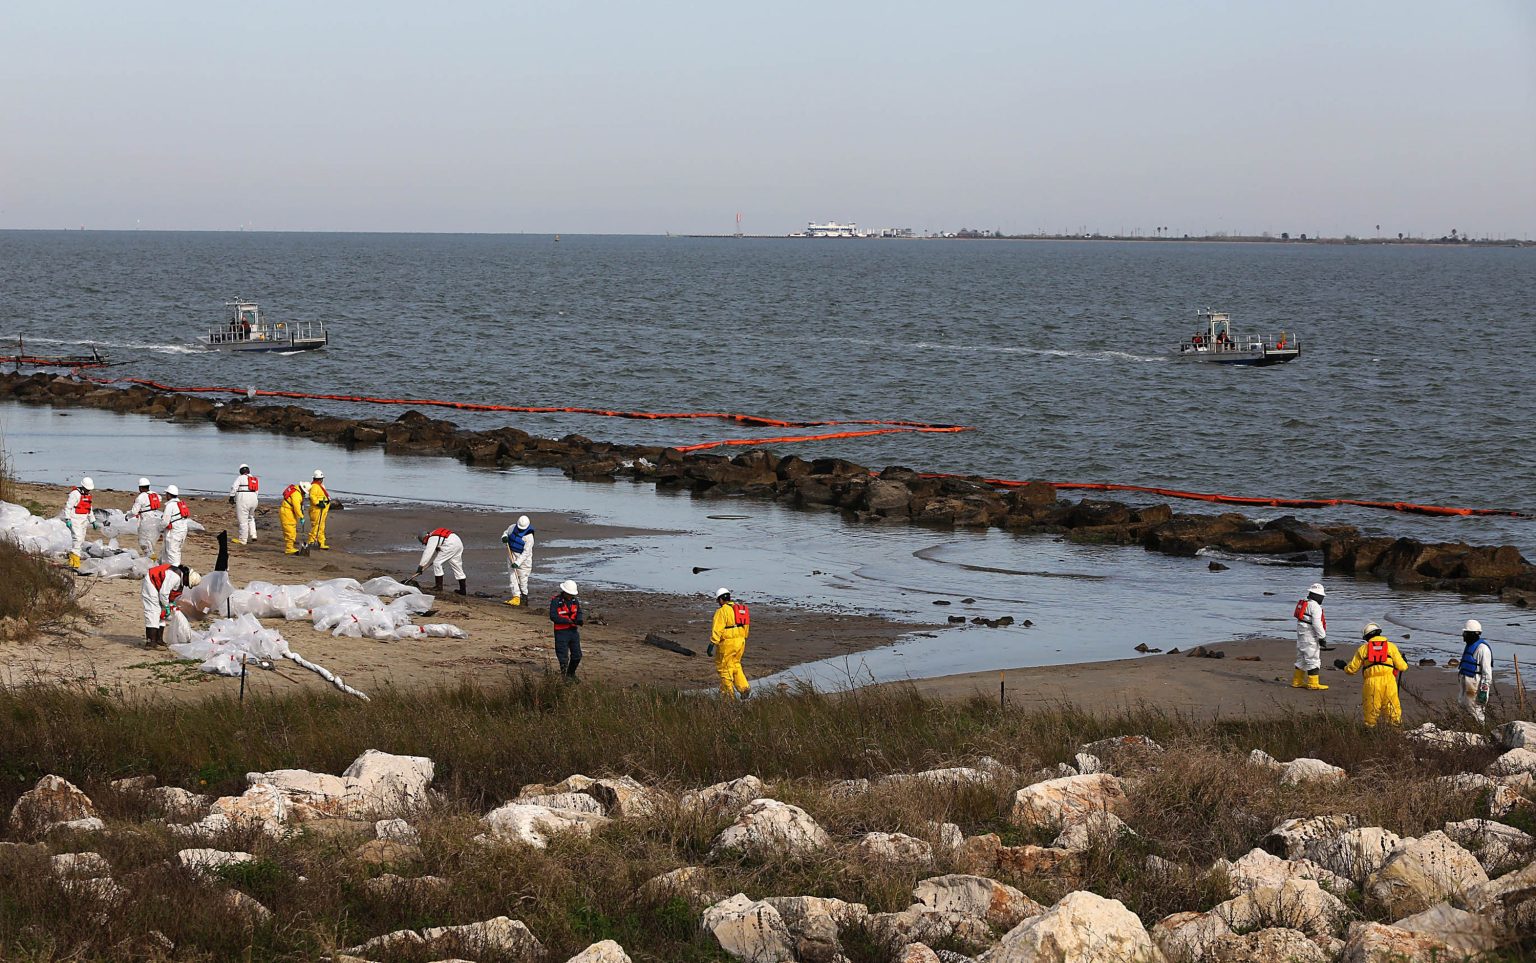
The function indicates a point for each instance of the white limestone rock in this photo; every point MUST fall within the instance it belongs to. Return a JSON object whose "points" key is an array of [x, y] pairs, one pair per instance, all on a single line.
{"points": [[1298, 771], [396, 831], [1464, 933], [897, 848], [1290, 837], [1257, 868], [1422, 873], [605, 952], [1514, 762], [751, 931], [535, 825], [80, 866], [1082, 928], [1298, 904], [572, 802], [1188, 937], [1057, 803], [205, 863], [767, 827], [1498, 847], [998, 903], [1355, 854], [1272, 945], [1081, 834], [723, 796], [625, 798], [1516, 735], [54, 801]]}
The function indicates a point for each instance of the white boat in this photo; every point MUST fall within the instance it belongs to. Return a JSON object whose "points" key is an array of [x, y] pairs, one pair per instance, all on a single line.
{"points": [[246, 329], [1215, 343]]}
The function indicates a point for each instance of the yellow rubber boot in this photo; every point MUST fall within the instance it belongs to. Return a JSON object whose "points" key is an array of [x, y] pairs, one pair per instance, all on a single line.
{"points": [[1298, 679], [74, 560], [515, 600], [1313, 682]]}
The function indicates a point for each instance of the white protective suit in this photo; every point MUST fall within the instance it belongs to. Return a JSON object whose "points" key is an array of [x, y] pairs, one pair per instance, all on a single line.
{"points": [[443, 550], [157, 601], [78, 524], [175, 530], [522, 562], [243, 490], [149, 524], [1483, 681], [1311, 630]]}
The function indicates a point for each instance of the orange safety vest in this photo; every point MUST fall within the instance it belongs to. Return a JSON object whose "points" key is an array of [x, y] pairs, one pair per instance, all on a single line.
{"points": [[565, 614], [83, 506], [743, 617], [1301, 613], [440, 532], [251, 484], [292, 490], [154, 501], [1376, 651], [182, 510], [157, 579]]}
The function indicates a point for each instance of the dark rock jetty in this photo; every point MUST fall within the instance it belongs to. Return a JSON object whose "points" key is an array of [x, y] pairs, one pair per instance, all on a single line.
{"points": [[890, 496]]}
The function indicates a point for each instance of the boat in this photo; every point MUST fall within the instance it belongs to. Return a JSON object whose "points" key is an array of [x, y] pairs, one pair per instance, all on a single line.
{"points": [[247, 329], [1215, 343], [93, 360]]}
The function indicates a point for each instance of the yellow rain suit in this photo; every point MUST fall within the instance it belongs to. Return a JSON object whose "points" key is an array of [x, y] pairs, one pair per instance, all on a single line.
{"points": [[319, 511], [730, 642], [289, 514], [1381, 668]]}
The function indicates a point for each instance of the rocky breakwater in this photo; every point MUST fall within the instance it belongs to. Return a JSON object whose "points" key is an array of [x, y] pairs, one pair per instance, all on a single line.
{"points": [[891, 496]]}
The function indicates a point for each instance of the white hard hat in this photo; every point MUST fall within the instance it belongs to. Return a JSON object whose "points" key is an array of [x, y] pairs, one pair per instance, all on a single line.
{"points": [[1316, 588], [87, 484], [568, 587], [245, 467], [523, 522], [172, 490], [1473, 625], [1371, 628], [319, 473], [143, 482], [722, 591], [193, 578]]}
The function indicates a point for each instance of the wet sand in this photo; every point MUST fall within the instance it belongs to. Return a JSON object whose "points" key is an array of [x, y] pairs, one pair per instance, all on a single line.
{"points": [[104, 649], [1212, 688]]}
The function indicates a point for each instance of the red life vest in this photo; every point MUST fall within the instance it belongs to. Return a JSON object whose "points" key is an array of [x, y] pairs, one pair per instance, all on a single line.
{"points": [[290, 491], [1301, 613], [157, 579], [566, 611], [1376, 651], [154, 501], [83, 506], [181, 514], [743, 617], [440, 532], [250, 483]]}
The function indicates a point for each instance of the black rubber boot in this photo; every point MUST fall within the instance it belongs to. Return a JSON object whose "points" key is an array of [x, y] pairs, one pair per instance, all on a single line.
{"points": [[149, 638], [463, 587], [437, 584]]}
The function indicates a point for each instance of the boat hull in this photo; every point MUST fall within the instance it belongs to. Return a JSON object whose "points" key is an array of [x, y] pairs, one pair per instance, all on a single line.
{"points": [[304, 345], [1248, 359]]}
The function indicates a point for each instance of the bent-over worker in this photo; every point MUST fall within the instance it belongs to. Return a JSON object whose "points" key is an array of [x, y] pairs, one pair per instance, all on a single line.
{"points": [[565, 612], [288, 515], [319, 509], [163, 585], [519, 540], [77, 515], [146, 508], [1311, 634], [176, 515], [443, 547], [242, 495], [728, 642], [1382, 664], [1475, 670]]}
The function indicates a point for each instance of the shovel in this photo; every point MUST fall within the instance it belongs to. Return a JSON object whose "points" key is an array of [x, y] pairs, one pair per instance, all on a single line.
{"points": [[304, 529]]}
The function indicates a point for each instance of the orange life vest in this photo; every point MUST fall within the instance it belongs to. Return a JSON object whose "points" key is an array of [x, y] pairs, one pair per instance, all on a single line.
{"points": [[1376, 651], [251, 484], [566, 613], [182, 514], [157, 579], [1301, 613], [290, 491], [440, 532], [154, 501], [83, 506], [743, 617]]}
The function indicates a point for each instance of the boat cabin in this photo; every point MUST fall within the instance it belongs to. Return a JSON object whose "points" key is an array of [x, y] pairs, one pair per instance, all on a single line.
{"points": [[245, 329]]}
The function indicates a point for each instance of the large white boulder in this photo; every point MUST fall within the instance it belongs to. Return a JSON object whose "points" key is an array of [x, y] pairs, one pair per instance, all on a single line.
{"points": [[173, 802], [896, 848], [625, 798], [1355, 853], [1298, 771], [1465, 933], [53, 801], [919, 924], [1257, 868], [1516, 735], [692, 883], [1290, 838], [1514, 762], [605, 952], [1271, 945], [816, 924], [505, 938], [1509, 900], [1500, 848], [767, 827], [1056, 803], [1432, 736], [1188, 937], [535, 825], [722, 796], [574, 802], [1298, 904], [205, 863], [262, 808], [1082, 928], [997, 903], [1379, 943], [80, 866], [1081, 834], [953, 777], [749, 930], [1422, 873]]}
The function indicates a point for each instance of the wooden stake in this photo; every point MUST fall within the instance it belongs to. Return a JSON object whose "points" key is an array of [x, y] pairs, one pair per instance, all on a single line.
{"points": [[1002, 691], [1519, 686]]}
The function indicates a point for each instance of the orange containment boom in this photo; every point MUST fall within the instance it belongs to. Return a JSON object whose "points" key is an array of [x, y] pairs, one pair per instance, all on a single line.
{"points": [[877, 427], [1409, 507]]}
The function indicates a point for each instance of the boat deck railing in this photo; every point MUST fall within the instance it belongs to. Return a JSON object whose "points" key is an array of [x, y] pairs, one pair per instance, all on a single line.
{"points": [[1263, 343], [285, 332]]}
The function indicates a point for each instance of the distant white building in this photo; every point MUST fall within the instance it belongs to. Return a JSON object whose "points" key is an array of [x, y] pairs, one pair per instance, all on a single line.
{"points": [[832, 229]]}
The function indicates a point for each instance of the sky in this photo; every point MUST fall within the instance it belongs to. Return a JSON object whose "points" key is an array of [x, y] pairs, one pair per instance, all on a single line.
{"points": [[1201, 116]]}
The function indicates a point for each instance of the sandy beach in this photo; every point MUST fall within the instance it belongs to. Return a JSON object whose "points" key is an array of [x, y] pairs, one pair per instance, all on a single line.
{"points": [[104, 649]]}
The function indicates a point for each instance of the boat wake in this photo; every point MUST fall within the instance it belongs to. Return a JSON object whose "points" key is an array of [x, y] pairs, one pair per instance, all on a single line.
{"points": [[157, 348], [1100, 355]]}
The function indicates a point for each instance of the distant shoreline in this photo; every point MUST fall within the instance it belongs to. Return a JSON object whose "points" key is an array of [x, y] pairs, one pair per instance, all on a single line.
{"points": [[1202, 239]]}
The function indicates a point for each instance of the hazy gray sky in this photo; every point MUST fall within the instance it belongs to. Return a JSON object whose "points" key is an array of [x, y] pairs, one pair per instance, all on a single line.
{"points": [[476, 115]]}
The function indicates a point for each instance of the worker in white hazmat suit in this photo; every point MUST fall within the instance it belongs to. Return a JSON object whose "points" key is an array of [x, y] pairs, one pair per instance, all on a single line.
{"points": [[1311, 633], [146, 509], [242, 495], [176, 514], [443, 547], [77, 515], [163, 585], [519, 540], [1475, 670]]}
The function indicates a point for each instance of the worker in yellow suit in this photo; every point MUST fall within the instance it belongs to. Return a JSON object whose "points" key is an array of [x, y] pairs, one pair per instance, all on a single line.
{"points": [[289, 514], [1382, 664], [727, 643], [319, 509]]}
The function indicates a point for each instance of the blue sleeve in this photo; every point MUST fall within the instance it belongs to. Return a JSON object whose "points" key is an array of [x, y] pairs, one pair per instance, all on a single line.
{"points": [[552, 610]]}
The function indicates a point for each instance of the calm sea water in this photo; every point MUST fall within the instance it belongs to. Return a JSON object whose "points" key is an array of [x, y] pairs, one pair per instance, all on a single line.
{"points": [[1415, 382]]}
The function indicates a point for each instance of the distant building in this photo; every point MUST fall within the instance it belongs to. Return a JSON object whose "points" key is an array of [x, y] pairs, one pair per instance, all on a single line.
{"points": [[832, 229]]}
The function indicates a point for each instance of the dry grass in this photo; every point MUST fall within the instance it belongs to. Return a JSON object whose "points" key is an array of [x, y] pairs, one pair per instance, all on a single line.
{"points": [[33, 593], [1191, 805]]}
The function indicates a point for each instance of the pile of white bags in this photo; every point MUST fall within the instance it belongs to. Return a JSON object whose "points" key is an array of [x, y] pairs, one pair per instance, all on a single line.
{"points": [[45, 536], [342, 607], [102, 559]]}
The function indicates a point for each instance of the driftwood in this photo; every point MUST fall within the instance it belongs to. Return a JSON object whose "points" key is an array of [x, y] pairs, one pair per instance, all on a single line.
{"points": [[662, 642]]}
